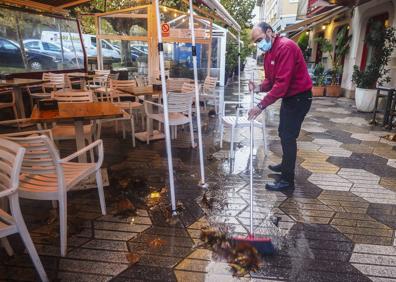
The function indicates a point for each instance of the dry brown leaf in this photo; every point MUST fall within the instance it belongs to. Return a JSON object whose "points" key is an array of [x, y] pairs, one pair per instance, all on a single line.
{"points": [[132, 258], [390, 137], [156, 243]]}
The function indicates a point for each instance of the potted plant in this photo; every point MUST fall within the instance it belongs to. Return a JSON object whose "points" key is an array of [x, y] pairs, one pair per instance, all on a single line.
{"points": [[341, 48], [382, 40], [303, 42], [318, 87]]}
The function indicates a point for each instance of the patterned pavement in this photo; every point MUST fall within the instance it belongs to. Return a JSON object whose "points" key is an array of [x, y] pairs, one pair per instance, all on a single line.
{"points": [[337, 225]]}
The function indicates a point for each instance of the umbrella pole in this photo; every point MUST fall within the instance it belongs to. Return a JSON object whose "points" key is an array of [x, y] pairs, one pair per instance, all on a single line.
{"points": [[202, 182], [165, 104]]}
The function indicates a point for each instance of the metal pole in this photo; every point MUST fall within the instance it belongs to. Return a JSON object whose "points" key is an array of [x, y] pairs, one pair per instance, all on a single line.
{"points": [[165, 104], [239, 66], [251, 164], [202, 183]]}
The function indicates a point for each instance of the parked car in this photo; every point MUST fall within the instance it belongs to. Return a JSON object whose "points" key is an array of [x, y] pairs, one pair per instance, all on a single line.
{"points": [[11, 56], [70, 58], [70, 38]]}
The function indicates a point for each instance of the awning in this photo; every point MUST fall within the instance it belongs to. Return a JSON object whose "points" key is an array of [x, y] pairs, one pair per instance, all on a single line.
{"points": [[349, 3], [303, 25], [222, 13], [50, 6]]}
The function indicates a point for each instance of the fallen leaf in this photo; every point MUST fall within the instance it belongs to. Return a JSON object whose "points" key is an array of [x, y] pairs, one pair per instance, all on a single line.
{"points": [[125, 208], [53, 216], [156, 243], [390, 137], [132, 258]]}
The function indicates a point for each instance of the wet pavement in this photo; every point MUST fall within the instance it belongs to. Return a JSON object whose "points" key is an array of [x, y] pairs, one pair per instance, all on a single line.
{"points": [[337, 225]]}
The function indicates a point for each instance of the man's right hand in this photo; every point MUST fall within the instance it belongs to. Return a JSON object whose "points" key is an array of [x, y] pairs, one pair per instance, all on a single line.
{"points": [[253, 86]]}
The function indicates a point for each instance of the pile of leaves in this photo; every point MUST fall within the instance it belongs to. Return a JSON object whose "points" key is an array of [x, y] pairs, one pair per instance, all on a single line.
{"points": [[242, 257]]}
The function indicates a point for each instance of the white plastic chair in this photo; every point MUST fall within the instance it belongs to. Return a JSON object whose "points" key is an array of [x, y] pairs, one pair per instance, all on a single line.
{"points": [[116, 95], [68, 132], [208, 93], [56, 81], [102, 92], [240, 120], [180, 112], [11, 157], [99, 80], [45, 176]]}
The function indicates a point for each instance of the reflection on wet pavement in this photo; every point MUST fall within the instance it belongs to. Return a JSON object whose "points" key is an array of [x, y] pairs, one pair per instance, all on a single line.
{"points": [[337, 225]]}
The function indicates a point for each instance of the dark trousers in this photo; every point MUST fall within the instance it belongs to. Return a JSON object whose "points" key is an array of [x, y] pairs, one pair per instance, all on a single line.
{"points": [[292, 114]]}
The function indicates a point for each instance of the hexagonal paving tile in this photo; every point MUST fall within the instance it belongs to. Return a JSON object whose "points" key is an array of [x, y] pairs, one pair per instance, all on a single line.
{"points": [[314, 128], [307, 210], [327, 142], [392, 163], [341, 201], [366, 137], [377, 262], [330, 182], [358, 148], [334, 110], [374, 193], [362, 228], [312, 155], [335, 151], [307, 146], [358, 176], [319, 166], [352, 120]]}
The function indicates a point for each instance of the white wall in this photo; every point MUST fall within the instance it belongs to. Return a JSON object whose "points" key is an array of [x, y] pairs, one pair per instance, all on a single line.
{"points": [[360, 17]]}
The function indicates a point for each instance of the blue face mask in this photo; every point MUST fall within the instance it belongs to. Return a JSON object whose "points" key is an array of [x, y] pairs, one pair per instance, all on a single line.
{"points": [[264, 45]]}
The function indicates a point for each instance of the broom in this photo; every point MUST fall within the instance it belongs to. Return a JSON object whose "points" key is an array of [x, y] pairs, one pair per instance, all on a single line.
{"points": [[263, 245]]}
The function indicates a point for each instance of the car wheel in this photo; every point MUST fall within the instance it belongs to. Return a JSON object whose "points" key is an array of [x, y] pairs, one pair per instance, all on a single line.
{"points": [[36, 65]]}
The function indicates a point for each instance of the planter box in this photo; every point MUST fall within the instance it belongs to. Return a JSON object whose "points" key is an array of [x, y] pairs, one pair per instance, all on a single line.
{"points": [[365, 99], [318, 91], [333, 90]]}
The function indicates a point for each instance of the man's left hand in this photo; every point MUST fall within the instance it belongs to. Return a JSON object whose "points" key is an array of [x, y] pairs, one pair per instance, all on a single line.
{"points": [[254, 113]]}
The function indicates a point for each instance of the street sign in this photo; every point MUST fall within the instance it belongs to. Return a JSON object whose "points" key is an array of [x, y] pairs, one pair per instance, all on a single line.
{"points": [[165, 29]]}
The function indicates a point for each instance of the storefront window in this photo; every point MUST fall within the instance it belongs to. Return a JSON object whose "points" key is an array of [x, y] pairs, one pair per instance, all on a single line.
{"points": [[48, 43]]}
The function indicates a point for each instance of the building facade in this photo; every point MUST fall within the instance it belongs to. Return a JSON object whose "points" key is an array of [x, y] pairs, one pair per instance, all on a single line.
{"points": [[324, 20], [278, 13]]}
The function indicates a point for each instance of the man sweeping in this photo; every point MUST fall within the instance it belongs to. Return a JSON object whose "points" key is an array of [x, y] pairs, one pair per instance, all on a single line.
{"points": [[286, 77]]}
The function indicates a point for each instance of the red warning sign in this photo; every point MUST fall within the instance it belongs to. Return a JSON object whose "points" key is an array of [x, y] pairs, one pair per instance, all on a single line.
{"points": [[165, 29]]}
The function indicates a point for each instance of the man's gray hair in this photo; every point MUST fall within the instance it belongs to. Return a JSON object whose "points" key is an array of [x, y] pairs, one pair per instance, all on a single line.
{"points": [[264, 27]]}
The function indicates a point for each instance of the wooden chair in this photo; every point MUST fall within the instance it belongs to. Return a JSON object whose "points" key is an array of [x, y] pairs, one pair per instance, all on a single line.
{"points": [[208, 93], [45, 176], [240, 120], [10, 104], [11, 157], [180, 112]]}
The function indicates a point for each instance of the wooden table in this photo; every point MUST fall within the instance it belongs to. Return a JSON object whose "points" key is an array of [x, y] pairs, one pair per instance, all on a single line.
{"points": [[148, 93], [17, 84], [78, 113], [84, 77]]}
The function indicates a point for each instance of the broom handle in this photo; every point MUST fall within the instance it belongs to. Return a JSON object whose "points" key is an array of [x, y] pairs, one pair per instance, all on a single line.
{"points": [[251, 161]]}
